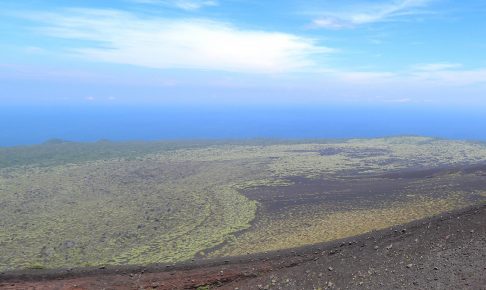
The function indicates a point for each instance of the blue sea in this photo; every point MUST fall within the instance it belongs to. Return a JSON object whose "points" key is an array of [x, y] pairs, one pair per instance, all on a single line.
{"points": [[23, 125]]}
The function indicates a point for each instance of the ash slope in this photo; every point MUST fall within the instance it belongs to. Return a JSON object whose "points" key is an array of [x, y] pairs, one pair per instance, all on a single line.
{"points": [[443, 252]]}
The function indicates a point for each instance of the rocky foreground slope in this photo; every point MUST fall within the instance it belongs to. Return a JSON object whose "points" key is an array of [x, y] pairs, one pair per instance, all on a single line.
{"points": [[444, 252]]}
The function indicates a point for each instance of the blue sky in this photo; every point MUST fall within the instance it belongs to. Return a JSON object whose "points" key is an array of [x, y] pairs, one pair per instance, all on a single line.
{"points": [[425, 52]]}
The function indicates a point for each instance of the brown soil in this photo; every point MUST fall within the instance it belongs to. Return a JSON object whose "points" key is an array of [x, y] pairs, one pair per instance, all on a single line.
{"points": [[444, 252]]}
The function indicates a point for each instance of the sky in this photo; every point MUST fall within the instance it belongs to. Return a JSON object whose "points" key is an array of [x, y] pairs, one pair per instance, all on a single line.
{"points": [[421, 52]]}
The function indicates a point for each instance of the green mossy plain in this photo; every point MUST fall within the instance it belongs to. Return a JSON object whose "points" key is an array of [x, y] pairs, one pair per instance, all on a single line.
{"points": [[68, 205]]}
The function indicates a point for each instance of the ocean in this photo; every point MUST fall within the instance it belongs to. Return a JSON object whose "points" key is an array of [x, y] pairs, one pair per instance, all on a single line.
{"points": [[24, 125]]}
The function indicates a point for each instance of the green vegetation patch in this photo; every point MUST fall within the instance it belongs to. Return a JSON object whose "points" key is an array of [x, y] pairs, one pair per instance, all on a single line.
{"points": [[118, 212], [316, 224], [68, 204]]}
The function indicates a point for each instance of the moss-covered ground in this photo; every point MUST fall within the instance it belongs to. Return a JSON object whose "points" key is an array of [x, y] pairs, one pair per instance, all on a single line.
{"points": [[71, 204]]}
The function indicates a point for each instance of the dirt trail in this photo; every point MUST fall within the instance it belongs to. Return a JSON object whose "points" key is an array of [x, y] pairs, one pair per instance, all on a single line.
{"points": [[444, 252]]}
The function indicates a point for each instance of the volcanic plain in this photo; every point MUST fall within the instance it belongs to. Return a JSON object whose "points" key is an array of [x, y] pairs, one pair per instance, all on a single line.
{"points": [[67, 206]]}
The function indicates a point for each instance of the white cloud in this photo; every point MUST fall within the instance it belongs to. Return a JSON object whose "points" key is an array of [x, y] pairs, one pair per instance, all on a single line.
{"points": [[423, 75], [369, 13], [436, 66], [451, 77], [400, 101], [34, 50], [364, 77], [123, 38], [330, 23], [447, 74], [182, 4]]}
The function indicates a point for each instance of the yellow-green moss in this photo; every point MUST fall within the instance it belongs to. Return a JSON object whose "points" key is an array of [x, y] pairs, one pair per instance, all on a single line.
{"points": [[169, 205]]}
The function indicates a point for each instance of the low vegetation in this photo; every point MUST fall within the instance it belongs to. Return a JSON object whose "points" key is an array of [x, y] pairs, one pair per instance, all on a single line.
{"points": [[311, 225], [66, 204]]}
